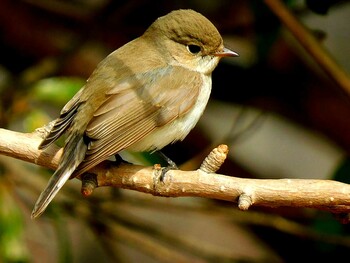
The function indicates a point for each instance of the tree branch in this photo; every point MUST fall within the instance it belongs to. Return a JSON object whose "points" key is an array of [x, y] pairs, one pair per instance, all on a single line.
{"points": [[320, 194]]}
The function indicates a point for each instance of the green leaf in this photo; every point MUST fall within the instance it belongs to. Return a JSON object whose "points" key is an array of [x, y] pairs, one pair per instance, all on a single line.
{"points": [[56, 90], [12, 245]]}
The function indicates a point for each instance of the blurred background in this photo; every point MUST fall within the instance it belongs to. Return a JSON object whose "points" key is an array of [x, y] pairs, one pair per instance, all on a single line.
{"points": [[280, 112]]}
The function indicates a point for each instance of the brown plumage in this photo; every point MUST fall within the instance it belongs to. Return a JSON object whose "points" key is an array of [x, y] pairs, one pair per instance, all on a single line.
{"points": [[143, 96]]}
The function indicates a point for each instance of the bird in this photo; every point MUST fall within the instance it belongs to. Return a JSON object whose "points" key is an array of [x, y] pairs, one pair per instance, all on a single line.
{"points": [[143, 96]]}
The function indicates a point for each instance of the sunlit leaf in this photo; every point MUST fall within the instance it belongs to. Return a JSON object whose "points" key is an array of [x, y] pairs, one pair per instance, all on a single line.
{"points": [[57, 90]]}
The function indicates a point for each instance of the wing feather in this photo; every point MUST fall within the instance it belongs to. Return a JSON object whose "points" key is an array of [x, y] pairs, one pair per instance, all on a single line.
{"points": [[128, 115], [61, 124]]}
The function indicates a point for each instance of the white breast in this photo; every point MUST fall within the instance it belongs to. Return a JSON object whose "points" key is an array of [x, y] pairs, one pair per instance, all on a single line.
{"points": [[179, 128]]}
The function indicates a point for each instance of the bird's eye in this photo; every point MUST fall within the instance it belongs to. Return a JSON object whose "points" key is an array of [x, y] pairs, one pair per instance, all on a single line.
{"points": [[194, 49]]}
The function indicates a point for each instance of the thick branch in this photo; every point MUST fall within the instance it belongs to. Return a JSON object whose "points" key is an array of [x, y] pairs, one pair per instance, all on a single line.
{"points": [[321, 194]]}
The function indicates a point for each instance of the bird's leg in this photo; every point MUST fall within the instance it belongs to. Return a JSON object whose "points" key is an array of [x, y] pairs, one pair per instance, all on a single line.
{"points": [[171, 165], [119, 160]]}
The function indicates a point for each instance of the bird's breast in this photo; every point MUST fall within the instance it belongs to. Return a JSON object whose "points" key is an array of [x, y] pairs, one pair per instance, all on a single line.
{"points": [[180, 127]]}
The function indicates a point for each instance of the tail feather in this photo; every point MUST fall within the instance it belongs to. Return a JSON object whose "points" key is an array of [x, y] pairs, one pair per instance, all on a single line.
{"points": [[73, 155]]}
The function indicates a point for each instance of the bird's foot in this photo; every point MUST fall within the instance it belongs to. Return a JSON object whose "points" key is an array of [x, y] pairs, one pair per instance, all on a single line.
{"points": [[119, 160], [171, 166]]}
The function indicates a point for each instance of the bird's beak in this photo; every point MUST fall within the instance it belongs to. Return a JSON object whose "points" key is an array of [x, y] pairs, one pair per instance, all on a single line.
{"points": [[225, 52]]}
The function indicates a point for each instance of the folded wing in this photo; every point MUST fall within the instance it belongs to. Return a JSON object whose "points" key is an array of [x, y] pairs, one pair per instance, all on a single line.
{"points": [[135, 107]]}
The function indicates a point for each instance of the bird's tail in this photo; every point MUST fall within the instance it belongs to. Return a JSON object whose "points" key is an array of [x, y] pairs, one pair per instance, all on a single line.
{"points": [[73, 154]]}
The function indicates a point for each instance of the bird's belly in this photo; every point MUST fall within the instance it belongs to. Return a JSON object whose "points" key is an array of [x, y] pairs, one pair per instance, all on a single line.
{"points": [[180, 127]]}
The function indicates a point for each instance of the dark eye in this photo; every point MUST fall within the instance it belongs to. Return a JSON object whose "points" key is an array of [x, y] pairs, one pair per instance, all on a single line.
{"points": [[194, 49]]}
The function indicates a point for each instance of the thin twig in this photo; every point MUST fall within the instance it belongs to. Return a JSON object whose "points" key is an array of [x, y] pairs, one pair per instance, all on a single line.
{"points": [[311, 44]]}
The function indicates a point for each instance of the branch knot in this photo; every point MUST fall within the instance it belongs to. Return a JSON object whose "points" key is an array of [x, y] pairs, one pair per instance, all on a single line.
{"points": [[215, 159]]}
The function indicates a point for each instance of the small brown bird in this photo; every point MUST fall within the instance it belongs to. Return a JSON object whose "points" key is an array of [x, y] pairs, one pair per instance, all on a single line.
{"points": [[143, 96]]}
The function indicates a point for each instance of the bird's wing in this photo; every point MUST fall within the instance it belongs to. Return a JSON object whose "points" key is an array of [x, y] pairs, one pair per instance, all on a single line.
{"points": [[63, 122], [137, 106]]}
